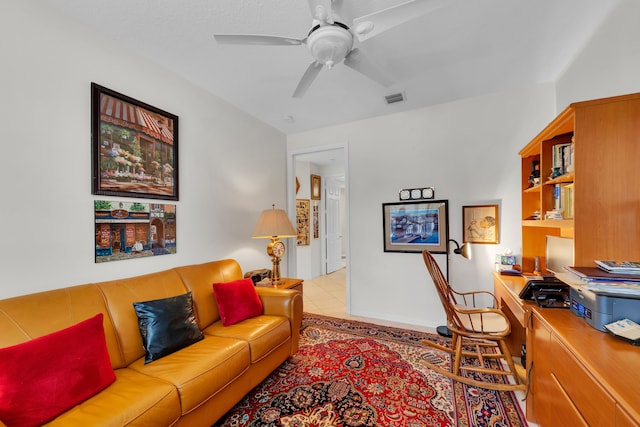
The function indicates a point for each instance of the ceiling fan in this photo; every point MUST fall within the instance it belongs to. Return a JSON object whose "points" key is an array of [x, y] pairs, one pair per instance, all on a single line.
{"points": [[331, 41]]}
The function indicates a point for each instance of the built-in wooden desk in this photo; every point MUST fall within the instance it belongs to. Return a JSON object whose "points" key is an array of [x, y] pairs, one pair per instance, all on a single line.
{"points": [[578, 375]]}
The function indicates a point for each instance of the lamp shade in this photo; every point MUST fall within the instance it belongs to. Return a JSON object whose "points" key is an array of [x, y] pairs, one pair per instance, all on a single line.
{"points": [[273, 223], [465, 250]]}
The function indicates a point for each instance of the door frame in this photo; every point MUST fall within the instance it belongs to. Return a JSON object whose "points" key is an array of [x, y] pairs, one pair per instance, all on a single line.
{"points": [[291, 207]]}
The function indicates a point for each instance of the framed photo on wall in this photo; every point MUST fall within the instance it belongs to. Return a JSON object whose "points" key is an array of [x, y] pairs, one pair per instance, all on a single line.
{"points": [[315, 187], [134, 147], [416, 226], [480, 224]]}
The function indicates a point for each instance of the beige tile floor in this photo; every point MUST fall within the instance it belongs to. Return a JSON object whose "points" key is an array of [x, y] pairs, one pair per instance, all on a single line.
{"points": [[327, 295]]}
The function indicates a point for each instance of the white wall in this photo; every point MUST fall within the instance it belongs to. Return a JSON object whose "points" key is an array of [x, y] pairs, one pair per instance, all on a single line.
{"points": [[609, 64], [231, 166], [468, 151]]}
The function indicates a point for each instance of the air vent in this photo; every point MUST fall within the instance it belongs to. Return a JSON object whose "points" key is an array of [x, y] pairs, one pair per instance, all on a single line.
{"points": [[393, 98]]}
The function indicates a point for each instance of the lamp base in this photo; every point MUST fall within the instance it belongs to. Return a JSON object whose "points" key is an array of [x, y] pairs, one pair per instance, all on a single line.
{"points": [[443, 331]]}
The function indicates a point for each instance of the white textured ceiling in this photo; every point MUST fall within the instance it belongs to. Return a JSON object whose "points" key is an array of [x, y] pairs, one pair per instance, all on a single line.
{"points": [[465, 48]]}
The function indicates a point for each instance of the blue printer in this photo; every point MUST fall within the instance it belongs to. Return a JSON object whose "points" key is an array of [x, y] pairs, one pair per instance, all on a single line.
{"points": [[599, 309]]}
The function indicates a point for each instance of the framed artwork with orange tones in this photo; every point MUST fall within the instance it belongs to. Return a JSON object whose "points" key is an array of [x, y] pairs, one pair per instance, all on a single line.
{"points": [[134, 147]]}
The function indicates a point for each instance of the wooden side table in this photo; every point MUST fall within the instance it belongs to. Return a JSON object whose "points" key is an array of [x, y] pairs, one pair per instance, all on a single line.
{"points": [[287, 283]]}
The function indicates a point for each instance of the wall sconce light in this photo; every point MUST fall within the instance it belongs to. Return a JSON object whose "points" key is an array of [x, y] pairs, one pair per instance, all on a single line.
{"points": [[274, 224], [417, 193], [465, 250]]}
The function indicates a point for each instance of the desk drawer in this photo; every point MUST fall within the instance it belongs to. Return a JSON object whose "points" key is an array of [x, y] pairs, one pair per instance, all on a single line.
{"points": [[596, 405]]}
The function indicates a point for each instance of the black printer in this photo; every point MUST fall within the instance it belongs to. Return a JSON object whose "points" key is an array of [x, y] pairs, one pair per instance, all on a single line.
{"points": [[546, 291]]}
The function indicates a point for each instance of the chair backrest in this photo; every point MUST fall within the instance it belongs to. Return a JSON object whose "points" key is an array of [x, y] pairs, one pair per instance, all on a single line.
{"points": [[446, 294]]}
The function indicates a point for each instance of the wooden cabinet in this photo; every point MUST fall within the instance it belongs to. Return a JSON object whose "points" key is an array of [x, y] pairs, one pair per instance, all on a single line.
{"points": [[578, 375], [604, 180], [573, 378]]}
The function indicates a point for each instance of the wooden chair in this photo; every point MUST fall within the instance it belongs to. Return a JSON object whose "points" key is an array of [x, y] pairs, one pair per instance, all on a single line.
{"points": [[477, 337]]}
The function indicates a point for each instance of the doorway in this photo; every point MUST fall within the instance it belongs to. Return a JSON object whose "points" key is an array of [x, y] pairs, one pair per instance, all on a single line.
{"points": [[328, 253]]}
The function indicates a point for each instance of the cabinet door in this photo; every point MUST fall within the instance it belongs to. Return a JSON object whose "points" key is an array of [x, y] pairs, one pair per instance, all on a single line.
{"points": [[539, 354], [623, 419], [563, 412], [607, 153]]}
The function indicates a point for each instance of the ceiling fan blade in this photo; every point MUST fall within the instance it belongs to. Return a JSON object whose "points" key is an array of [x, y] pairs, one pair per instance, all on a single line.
{"points": [[359, 62], [371, 25], [257, 39], [309, 76], [321, 11]]}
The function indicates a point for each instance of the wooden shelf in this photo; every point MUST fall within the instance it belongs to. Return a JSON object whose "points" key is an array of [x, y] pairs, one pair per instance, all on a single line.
{"points": [[548, 223], [566, 178], [534, 189]]}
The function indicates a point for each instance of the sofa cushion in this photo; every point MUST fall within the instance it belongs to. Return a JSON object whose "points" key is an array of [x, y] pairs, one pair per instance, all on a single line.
{"points": [[46, 376], [133, 399], [167, 325], [201, 370], [263, 333], [237, 301]]}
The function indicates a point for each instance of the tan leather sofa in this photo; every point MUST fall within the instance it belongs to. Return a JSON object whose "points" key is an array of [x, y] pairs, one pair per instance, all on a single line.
{"points": [[194, 386]]}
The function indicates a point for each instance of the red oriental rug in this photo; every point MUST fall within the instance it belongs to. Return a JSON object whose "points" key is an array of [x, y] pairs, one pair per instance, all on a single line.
{"points": [[350, 373]]}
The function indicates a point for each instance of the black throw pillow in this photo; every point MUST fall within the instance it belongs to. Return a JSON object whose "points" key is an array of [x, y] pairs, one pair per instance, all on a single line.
{"points": [[167, 325]]}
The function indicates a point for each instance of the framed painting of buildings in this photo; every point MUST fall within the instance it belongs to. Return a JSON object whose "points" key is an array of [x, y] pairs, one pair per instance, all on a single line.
{"points": [[416, 226], [134, 147], [128, 230]]}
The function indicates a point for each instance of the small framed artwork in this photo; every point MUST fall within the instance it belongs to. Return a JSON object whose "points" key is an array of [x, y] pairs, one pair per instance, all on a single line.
{"points": [[480, 224], [302, 222], [134, 147], [316, 220], [416, 226], [315, 187], [129, 230]]}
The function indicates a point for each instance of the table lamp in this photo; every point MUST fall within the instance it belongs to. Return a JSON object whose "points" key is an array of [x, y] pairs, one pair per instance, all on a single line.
{"points": [[274, 224]]}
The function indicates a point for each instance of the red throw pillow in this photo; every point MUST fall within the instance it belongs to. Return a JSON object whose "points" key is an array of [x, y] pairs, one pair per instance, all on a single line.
{"points": [[46, 376], [237, 301]]}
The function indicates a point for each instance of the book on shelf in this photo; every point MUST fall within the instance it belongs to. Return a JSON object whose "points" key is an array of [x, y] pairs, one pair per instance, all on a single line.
{"points": [[620, 267], [563, 199], [562, 158]]}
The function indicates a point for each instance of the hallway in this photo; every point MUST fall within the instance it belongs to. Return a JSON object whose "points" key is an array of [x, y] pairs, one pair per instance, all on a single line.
{"points": [[327, 295]]}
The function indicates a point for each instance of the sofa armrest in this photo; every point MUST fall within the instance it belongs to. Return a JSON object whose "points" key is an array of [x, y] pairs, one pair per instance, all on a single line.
{"points": [[287, 303]]}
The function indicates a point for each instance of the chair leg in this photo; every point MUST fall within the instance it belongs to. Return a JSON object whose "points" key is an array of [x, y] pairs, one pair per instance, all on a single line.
{"points": [[458, 354], [507, 355]]}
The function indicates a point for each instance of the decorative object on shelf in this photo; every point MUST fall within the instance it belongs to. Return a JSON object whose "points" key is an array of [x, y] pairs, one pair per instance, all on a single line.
{"points": [[274, 224], [416, 226], [553, 214], [424, 193], [302, 221], [480, 224], [134, 147], [297, 185], [534, 178], [315, 187], [127, 230]]}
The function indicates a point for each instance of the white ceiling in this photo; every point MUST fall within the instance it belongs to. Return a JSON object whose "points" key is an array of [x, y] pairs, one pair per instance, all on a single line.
{"points": [[463, 49]]}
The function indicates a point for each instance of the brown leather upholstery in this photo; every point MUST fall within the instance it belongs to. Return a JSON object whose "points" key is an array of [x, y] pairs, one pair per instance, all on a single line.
{"points": [[194, 386]]}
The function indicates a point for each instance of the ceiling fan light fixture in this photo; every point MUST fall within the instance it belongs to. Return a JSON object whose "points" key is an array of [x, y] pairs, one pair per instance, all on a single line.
{"points": [[330, 44]]}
